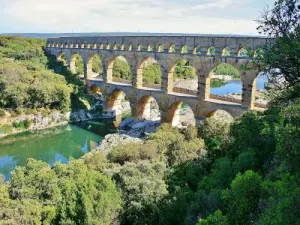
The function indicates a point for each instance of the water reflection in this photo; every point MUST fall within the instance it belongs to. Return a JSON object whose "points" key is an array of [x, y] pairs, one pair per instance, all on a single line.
{"points": [[235, 86], [51, 145]]}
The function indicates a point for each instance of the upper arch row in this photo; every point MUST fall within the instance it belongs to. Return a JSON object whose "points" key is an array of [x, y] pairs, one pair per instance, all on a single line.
{"points": [[172, 48]]}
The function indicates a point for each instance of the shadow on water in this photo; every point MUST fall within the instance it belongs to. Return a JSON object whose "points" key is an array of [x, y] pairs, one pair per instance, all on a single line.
{"points": [[52, 145]]}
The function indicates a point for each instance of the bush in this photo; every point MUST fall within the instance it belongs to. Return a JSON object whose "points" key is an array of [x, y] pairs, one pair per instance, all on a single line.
{"points": [[24, 124], [2, 113], [125, 153]]}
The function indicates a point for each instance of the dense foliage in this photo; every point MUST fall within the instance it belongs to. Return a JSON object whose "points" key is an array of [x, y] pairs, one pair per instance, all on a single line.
{"points": [[281, 58], [64, 194], [152, 74], [227, 69], [24, 80], [121, 69]]}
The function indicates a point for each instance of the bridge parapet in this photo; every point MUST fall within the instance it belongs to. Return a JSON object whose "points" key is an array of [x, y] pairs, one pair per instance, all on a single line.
{"points": [[198, 45]]}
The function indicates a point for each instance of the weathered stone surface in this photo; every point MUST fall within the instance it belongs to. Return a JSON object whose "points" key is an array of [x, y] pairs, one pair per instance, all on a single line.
{"points": [[138, 128], [112, 140], [137, 52]]}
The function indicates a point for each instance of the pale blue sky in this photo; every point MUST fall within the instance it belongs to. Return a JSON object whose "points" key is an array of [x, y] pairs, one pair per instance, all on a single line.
{"points": [[177, 16]]}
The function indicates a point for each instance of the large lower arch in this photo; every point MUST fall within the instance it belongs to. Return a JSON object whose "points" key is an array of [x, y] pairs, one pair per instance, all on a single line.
{"points": [[94, 66], [117, 104], [182, 78], [76, 63], [180, 115], [61, 57], [118, 70], [147, 108], [220, 114], [149, 73]]}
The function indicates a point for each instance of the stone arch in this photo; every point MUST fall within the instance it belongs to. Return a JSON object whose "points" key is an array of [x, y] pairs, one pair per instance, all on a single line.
{"points": [[117, 104], [232, 85], [184, 49], [82, 45], [150, 48], [76, 45], [71, 45], [141, 81], [139, 47], [88, 45], [110, 67], [107, 46], [220, 114], [74, 57], [115, 46], [148, 108], [101, 46], [56, 45], [211, 51], [226, 51], [197, 50], [160, 48], [185, 82], [122, 47], [242, 52], [89, 66], [94, 46], [175, 115], [66, 45], [172, 48], [61, 45], [130, 47], [60, 55]]}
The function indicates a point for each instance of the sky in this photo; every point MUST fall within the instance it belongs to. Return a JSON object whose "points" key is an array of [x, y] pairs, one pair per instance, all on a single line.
{"points": [[167, 16]]}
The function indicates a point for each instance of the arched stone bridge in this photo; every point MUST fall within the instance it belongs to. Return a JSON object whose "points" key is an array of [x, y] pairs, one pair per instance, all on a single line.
{"points": [[204, 54]]}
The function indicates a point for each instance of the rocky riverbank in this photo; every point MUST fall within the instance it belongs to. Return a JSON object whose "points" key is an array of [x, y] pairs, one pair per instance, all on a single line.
{"points": [[130, 130], [11, 124]]}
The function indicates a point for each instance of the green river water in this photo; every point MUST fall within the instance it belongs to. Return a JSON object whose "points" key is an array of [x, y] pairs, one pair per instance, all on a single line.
{"points": [[51, 145]]}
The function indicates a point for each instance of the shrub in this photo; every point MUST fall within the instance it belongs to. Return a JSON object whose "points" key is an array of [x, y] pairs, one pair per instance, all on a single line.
{"points": [[24, 124], [2, 113]]}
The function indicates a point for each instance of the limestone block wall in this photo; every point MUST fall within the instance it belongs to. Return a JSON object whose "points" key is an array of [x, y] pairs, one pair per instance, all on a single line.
{"points": [[137, 49]]}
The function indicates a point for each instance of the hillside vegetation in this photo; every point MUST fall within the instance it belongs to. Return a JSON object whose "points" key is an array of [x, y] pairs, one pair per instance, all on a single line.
{"points": [[240, 172]]}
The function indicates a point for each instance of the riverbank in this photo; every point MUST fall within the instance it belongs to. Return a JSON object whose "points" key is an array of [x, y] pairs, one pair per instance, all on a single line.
{"points": [[43, 119]]}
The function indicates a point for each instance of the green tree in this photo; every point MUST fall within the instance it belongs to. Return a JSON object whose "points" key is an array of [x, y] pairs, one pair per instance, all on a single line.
{"points": [[143, 187], [152, 74], [97, 65], [121, 69], [243, 197], [281, 57], [216, 219], [184, 70]]}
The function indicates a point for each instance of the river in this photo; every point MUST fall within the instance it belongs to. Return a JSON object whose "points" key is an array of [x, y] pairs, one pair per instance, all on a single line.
{"points": [[51, 145], [235, 86]]}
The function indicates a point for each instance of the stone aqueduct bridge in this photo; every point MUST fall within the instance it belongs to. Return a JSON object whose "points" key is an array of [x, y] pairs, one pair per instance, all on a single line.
{"points": [[137, 49]]}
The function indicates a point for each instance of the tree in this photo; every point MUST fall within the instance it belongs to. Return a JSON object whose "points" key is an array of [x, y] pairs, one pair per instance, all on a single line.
{"points": [[143, 187], [281, 56], [65, 194], [216, 219], [121, 69], [243, 197]]}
